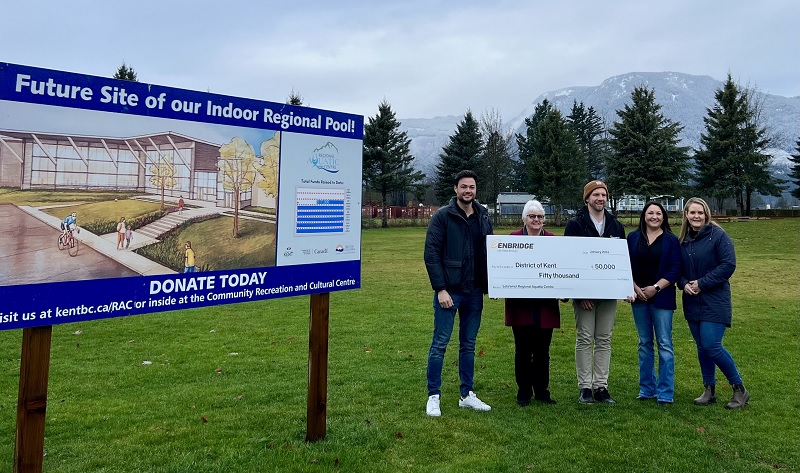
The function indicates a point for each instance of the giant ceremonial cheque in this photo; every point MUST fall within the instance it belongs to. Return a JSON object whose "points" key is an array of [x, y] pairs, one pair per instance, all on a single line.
{"points": [[563, 267]]}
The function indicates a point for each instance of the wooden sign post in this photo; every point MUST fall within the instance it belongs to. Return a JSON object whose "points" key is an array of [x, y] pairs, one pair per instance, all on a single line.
{"points": [[34, 370], [317, 405]]}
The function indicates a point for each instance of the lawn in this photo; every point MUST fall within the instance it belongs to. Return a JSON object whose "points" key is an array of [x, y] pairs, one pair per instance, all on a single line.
{"points": [[215, 247], [106, 211], [38, 198], [223, 389]]}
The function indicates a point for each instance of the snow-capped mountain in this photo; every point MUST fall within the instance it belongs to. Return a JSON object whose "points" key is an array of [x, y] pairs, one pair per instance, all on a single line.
{"points": [[684, 98]]}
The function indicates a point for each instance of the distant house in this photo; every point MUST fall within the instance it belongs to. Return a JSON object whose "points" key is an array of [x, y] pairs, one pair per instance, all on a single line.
{"points": [[631, 203], [670, 202], [511, 204], [635, 203]]}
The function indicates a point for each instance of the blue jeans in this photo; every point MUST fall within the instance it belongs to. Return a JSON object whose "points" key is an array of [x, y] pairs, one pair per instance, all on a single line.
{"points": [[711, 353], [469, 306], [652, 321]]}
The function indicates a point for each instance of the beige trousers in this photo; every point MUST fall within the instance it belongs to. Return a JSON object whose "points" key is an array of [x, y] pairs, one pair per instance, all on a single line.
{"points": [[593, 342]]}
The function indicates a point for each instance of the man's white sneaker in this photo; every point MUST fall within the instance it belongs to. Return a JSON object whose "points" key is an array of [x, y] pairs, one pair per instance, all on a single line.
{"points": [[432, 409], [472, 402]]}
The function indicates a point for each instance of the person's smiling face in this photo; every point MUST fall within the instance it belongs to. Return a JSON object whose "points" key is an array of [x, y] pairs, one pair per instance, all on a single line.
{"points": [[597, 199], [653, 217], [696, 216], [465, 190]]}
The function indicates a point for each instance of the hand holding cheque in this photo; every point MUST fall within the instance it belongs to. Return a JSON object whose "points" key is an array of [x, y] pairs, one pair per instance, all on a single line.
{"points": [[564, 267]]}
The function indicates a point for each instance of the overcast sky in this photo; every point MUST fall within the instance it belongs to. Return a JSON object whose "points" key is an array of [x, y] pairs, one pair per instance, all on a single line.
{"points": [[427, 58]]}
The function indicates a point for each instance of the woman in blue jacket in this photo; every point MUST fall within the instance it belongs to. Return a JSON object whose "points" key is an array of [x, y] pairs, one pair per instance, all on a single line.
{"points": [[656, 264], [707, 262]]}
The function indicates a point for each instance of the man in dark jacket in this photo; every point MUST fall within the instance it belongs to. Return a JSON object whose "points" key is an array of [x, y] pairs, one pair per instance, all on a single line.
{"points": [[455, 257], [594, 318]]}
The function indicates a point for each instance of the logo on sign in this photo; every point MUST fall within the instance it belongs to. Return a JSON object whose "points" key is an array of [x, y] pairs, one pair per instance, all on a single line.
{"points": [[325, 158], [504, 245]]}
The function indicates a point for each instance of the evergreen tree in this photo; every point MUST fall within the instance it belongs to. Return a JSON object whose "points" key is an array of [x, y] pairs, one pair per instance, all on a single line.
{"points": [[525, 146], [387, 161], [645, 158], [294, 98], [463, 151], [126, 72], [558, 170], [795, 169], [497, 162], [731, 161], [588, 128]]}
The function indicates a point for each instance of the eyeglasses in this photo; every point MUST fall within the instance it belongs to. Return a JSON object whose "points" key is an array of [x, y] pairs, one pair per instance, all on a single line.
{"points": [[534, 217]]}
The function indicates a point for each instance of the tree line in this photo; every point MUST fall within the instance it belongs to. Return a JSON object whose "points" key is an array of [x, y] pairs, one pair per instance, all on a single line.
{"points": [[638, 154]]}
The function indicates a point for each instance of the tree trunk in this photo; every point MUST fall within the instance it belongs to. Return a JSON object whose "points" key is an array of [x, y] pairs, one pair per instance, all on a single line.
{"points": [[385, 217], [235, 211], [748, 194], [740, 204], [558, 208]]}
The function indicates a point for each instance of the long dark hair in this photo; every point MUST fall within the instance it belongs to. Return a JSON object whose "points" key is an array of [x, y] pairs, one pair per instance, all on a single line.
{"points": [[664, 222]]}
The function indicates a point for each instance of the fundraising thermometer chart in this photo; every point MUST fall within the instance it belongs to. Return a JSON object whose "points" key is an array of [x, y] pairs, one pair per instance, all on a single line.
{"points": [[322, 211]]}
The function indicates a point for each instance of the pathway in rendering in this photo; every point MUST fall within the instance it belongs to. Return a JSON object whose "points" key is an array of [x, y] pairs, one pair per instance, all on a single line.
{"points": [[195, 209], [29, 253]]}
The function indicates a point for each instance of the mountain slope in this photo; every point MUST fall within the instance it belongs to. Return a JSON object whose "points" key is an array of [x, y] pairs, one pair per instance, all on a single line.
{"points": [[684, 98]]}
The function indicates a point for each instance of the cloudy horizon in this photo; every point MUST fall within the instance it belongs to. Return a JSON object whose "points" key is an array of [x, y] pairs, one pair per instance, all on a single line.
{"points": [[426, 59]]}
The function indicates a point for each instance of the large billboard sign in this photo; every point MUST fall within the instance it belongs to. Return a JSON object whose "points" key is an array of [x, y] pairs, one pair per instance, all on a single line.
{"points": [[120, 198]]}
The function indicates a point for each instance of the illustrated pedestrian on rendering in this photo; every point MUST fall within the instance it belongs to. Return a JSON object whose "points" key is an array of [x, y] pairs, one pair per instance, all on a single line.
{"points": [[455, 258], [655, 264], [594, 318], [128, 236], [707, 263], [188, 258], [121, 228]]}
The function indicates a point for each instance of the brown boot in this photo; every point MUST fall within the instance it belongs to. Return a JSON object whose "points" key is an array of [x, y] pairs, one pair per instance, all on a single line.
{"points": [[740, 397], [709, 396]]}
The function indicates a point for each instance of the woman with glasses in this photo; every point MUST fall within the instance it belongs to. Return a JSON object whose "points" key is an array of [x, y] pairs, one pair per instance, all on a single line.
{"points": [[532, 322], [656, 264]]}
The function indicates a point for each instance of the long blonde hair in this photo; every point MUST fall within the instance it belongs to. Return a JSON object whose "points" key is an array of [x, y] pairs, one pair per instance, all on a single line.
{"points": [[685, 225]]}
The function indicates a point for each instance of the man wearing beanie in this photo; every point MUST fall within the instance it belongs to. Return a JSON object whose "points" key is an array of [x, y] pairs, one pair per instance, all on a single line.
{"points": [[594, 318]]}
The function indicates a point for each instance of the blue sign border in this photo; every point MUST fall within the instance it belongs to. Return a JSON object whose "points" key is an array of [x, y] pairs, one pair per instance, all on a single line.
{"points": [[55, 303], [32, 305], [23, 84]]}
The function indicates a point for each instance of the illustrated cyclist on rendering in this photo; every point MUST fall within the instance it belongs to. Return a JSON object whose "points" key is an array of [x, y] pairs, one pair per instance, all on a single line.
{"points": [[69, 223]]}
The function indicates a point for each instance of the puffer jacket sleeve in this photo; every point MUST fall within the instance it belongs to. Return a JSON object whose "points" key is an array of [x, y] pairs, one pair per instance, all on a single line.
{"points": [[434, 249], [726, 261]]}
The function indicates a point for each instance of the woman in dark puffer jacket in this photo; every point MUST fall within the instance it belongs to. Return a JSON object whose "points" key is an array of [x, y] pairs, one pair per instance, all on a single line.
{"points": [[707, 262]]}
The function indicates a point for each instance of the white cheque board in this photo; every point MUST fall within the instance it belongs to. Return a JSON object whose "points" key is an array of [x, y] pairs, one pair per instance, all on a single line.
{"points": [[544, 267]]}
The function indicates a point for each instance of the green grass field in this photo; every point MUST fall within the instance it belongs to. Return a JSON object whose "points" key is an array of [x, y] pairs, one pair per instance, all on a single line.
{"points": [[109, 210], [39, 198], [225, 389]]}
